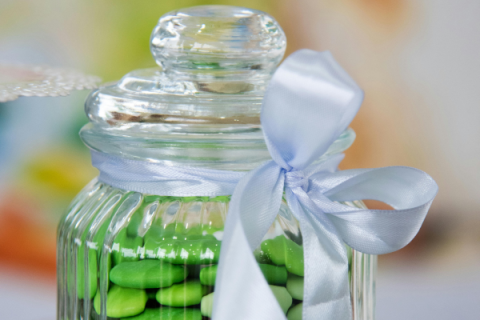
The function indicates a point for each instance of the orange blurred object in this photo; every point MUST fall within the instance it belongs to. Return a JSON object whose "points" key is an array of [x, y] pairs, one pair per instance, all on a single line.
{"points": [[24, 243]]}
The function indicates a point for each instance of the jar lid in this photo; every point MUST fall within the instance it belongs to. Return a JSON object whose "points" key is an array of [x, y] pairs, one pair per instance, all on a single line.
{"points": [[201, 106], [215, 62]]}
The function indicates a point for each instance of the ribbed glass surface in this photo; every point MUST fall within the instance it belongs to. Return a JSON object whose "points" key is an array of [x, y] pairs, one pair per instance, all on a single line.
{"points": [[126, 255]]}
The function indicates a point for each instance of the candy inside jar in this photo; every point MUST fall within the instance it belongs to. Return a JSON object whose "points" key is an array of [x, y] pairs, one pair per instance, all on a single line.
{"points": [[135, 255], [163, 260]]}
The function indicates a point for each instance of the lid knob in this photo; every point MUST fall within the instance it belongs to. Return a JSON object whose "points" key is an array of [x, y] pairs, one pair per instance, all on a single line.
{"points": [[217, 37]]}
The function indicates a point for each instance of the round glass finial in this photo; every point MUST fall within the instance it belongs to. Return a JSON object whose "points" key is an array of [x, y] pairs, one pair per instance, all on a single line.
{"points": [[218, 37]]}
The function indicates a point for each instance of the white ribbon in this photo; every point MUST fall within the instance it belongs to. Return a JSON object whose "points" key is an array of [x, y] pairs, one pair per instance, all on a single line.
{"points": [[310, 101], [154, 178]]}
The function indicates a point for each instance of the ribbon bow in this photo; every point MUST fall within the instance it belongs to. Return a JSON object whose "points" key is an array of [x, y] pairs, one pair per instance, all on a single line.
{"points": [[310, 101]]}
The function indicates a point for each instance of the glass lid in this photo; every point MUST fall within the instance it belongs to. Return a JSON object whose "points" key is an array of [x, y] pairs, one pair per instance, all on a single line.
{"points": [[214, 63], [201, 105]]}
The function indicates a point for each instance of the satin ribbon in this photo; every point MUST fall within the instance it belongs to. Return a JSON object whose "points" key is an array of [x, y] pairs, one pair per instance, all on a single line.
{"points": [[154, 178], [310, 101]]}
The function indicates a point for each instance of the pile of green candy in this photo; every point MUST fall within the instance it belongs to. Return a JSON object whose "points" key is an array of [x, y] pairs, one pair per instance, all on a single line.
{"points": [[170, 274], [179, 282]]}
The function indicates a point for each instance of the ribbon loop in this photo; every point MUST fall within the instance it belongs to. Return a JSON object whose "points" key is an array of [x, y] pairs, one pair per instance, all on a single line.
{"points": [[310, 101]]}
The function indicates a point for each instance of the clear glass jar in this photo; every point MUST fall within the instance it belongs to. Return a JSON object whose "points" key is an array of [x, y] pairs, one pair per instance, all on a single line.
{"points": [[127, 255]]}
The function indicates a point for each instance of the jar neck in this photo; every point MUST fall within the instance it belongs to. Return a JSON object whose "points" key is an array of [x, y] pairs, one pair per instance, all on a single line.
{"points": [[222, 147]]}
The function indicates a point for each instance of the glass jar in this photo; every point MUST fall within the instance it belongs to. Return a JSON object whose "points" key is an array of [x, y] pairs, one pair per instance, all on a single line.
{"points": [[130, 255]]}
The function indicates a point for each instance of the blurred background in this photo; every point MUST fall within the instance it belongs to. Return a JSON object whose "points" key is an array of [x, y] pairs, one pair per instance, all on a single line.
{"points": [[417, 60]]}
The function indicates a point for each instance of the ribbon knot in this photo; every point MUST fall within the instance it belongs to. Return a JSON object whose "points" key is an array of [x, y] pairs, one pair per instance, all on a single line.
{"points": [[295, 179]]}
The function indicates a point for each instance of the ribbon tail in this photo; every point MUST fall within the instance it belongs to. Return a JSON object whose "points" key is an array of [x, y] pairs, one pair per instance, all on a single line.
{"points": [[408, 190], [326, 289], [241, 291]]}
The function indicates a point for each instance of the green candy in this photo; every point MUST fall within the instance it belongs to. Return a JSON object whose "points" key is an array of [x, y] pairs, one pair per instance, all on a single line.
{"points": [[283, 297], [208, 275], [206, 305], [225, 199], [92, 272], [182, 237], [137, 218], [295, 286], [122, 302], [167, 313], [261, 256], [283, 251], [135, 221], [184, 294], [99, 237], [191, 251], [147, 274], [295, 313], [93, 248], [126, 248], [190, 199], [158, 232], [273, 274]]}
